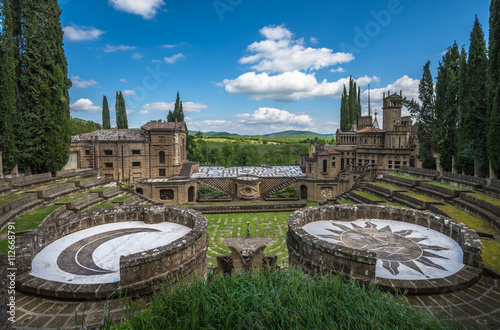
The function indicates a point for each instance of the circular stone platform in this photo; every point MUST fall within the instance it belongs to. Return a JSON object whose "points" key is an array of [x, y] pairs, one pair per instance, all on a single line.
{"points": [[92, 256], [129, 248], [397, 249]]}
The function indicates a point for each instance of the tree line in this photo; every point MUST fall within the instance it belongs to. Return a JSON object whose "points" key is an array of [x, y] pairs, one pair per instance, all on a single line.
{"points": [[34, 87], [459, 117]]}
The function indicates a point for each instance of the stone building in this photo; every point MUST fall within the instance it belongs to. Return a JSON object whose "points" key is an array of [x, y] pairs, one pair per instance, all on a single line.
{"points": [[156, 150]]}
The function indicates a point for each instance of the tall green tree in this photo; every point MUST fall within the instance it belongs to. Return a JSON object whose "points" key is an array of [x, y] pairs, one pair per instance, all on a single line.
{"points": [[493, 142], [121, 112], [444, 138], [178, 113], [464, 163], [424, 114], [8, 99], [344, 115], [43, 136], [473, 119], [106, 121], [350, 106]]}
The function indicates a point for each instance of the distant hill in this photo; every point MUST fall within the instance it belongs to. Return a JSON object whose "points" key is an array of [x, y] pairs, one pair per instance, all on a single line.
{"points": [[219, 134], [299, 133]]}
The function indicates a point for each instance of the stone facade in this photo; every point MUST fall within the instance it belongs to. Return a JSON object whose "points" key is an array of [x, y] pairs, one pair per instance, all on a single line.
{"points": [[392, 147], [157, 150]]}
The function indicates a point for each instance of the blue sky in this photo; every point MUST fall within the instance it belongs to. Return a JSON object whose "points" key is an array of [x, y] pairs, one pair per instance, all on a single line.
{"points": [[253, 67]]}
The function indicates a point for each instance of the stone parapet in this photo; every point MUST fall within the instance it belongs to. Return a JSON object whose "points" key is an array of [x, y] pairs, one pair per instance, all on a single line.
{"points": [[30, 180]]}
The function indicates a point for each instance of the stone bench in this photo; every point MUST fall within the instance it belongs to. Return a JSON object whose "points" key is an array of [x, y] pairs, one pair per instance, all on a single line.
{"points": [[64, 174], [133, 200], [493, 189], [442, 197], [15, 208], [462, 181], [478, 212], [364, 199], [86, 172], [408, 183], [481, 203], [421, 173], [387, 193], [58, 191], [31, 180], [4, 189], [415, 201], [91, 183], [82, 203]]}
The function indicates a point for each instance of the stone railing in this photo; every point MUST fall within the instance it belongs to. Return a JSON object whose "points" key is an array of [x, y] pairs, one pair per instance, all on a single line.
{"points": [[481, 203], [30, 180], [315, 255], [216, 209], [54, 192], [66, 174], [448, 192], [462, 181], [140, 272]]}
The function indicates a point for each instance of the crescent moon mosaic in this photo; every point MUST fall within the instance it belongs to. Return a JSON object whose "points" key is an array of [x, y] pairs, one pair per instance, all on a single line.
{"points": [[404, 251], [92, 255]]}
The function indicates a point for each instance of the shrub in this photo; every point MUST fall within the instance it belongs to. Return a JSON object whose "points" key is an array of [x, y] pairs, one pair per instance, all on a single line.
{"points": [[206, 192], [288, 192]]}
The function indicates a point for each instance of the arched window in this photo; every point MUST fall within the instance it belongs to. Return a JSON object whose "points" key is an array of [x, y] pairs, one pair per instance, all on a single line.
{"points": [[162, 157]]}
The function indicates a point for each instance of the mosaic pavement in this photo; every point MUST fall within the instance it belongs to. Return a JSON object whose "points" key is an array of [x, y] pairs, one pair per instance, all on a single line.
{"points": [[205, 172]]}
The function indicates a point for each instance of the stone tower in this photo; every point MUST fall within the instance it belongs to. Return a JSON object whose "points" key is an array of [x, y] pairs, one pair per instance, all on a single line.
{"points": [[392, 110]]}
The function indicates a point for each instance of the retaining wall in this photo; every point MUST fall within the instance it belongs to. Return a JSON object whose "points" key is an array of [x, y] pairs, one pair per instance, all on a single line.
{"points": [[249, 208]]}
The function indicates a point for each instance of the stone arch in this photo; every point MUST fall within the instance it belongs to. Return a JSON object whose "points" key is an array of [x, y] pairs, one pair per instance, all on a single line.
{"points": [[191, 194], [162, 157], [303, 192]]}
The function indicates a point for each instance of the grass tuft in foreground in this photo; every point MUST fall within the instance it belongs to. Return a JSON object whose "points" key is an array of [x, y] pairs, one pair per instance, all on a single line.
{"points": [[286, 299]]}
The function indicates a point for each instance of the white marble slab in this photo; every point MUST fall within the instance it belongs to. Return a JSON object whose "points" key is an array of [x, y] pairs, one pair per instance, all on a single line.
{"points": [[107, 255], [404, 251]]}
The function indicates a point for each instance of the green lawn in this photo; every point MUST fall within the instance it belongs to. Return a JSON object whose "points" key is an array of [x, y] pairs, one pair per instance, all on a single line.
{"points": [[386, 186], [391, 204], [122, 198], [9, 198], [32, 219], [100, 189], [367, 195], [71, 198], [81, 179], [465, 218], [491, 254], [345, 202], [423, 198], [274, 224], [486, 198], [407, 177], [98, 206], [447, 186]]}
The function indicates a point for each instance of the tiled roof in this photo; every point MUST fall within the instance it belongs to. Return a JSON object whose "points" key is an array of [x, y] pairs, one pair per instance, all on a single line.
{"points": [[329, 152], [111, 135], [371, 130], [163, 126]]}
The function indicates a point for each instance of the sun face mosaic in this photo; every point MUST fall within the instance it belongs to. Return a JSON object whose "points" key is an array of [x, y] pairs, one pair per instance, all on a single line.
{"points": [[404, 251]]}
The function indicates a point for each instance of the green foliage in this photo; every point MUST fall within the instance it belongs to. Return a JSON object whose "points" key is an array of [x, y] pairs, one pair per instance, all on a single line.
{"points": [[288, 192], [106, 120], [493, 142], [206, 192], [287, 299], [80, 126], [350, 106], [178, 113], [121, 112]]}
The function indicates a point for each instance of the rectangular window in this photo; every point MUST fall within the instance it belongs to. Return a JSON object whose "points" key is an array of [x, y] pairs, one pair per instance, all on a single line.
{"points": [[162, 172], [166, 195], [136, 152], [87, 152], [108, 165], [136, 164], [404, 163], [373, 162], [333, 164], [390, 162], [108, 152]]}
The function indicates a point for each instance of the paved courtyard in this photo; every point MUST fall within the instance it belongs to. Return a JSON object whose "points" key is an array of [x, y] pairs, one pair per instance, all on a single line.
{"points": [[205, 172]]}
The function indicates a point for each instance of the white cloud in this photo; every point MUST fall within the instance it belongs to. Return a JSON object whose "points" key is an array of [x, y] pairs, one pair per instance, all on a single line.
{"points": [[80, 83], [112, 49], [123, 80], [145, 8], [84, 105], [137, 56], [165, 106], [144, 112], [129, 111], [174, 58], [288, 86], [339, 69], [74, 32], [274, 116], [170, 46], [280, 53], [313, 40], [128, 92]]}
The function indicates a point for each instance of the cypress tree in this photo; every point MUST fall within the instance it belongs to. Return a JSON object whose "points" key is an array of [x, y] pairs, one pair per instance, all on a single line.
{"points": [[344, 115], [8, 99], [106, 121], [170, 116], [178, 113], [474, 119], [446, 108], [118, 112], [43, 84], [180, 116], [493, 142], [425, 117], [124, 111], [464, 164], [352, 101]]}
